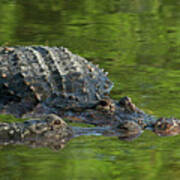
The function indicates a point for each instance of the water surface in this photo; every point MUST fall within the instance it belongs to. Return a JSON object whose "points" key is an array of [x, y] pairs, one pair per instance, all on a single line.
{"points": [[138, 43]]}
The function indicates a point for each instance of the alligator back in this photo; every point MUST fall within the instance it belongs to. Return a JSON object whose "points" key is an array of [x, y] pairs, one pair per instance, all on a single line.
{"points": [[50, 75]]}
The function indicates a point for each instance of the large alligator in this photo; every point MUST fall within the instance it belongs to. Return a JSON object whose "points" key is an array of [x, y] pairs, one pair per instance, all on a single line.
{"points": [[38, 80]]}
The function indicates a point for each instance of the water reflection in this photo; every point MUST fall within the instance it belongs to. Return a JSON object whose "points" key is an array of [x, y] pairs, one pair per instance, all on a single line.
{"points": [[148, 157], [54, 144], [138, 43]]}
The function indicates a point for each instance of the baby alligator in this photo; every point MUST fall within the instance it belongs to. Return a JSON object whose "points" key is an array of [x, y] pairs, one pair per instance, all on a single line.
{"points": [[47, 131]]}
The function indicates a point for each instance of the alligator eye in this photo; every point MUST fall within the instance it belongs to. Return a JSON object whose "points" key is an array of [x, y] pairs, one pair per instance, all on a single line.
{"points": [[103, 103], [57, 122]]}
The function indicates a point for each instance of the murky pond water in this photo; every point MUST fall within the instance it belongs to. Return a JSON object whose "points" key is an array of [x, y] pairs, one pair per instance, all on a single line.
{"points": [[138, 43]]}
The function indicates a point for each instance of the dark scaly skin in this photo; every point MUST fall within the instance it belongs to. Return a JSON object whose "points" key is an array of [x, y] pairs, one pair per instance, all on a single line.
{"points": [[39, 80], [167, 127], [50, 76], [48, 131]]}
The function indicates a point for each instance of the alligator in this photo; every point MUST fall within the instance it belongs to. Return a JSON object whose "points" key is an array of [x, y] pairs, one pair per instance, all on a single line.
{"points": [[46, 131], [39, 80]]}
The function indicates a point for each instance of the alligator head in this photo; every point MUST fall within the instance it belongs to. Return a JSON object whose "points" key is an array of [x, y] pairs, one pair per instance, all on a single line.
{"points": [[49, 130]]}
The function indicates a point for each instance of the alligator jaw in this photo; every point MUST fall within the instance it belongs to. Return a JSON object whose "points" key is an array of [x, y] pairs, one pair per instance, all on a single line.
{"points": [[112, 118]]}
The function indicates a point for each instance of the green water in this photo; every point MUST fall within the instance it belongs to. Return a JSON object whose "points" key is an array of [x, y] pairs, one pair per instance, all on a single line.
{"points": [[138, 43]]}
